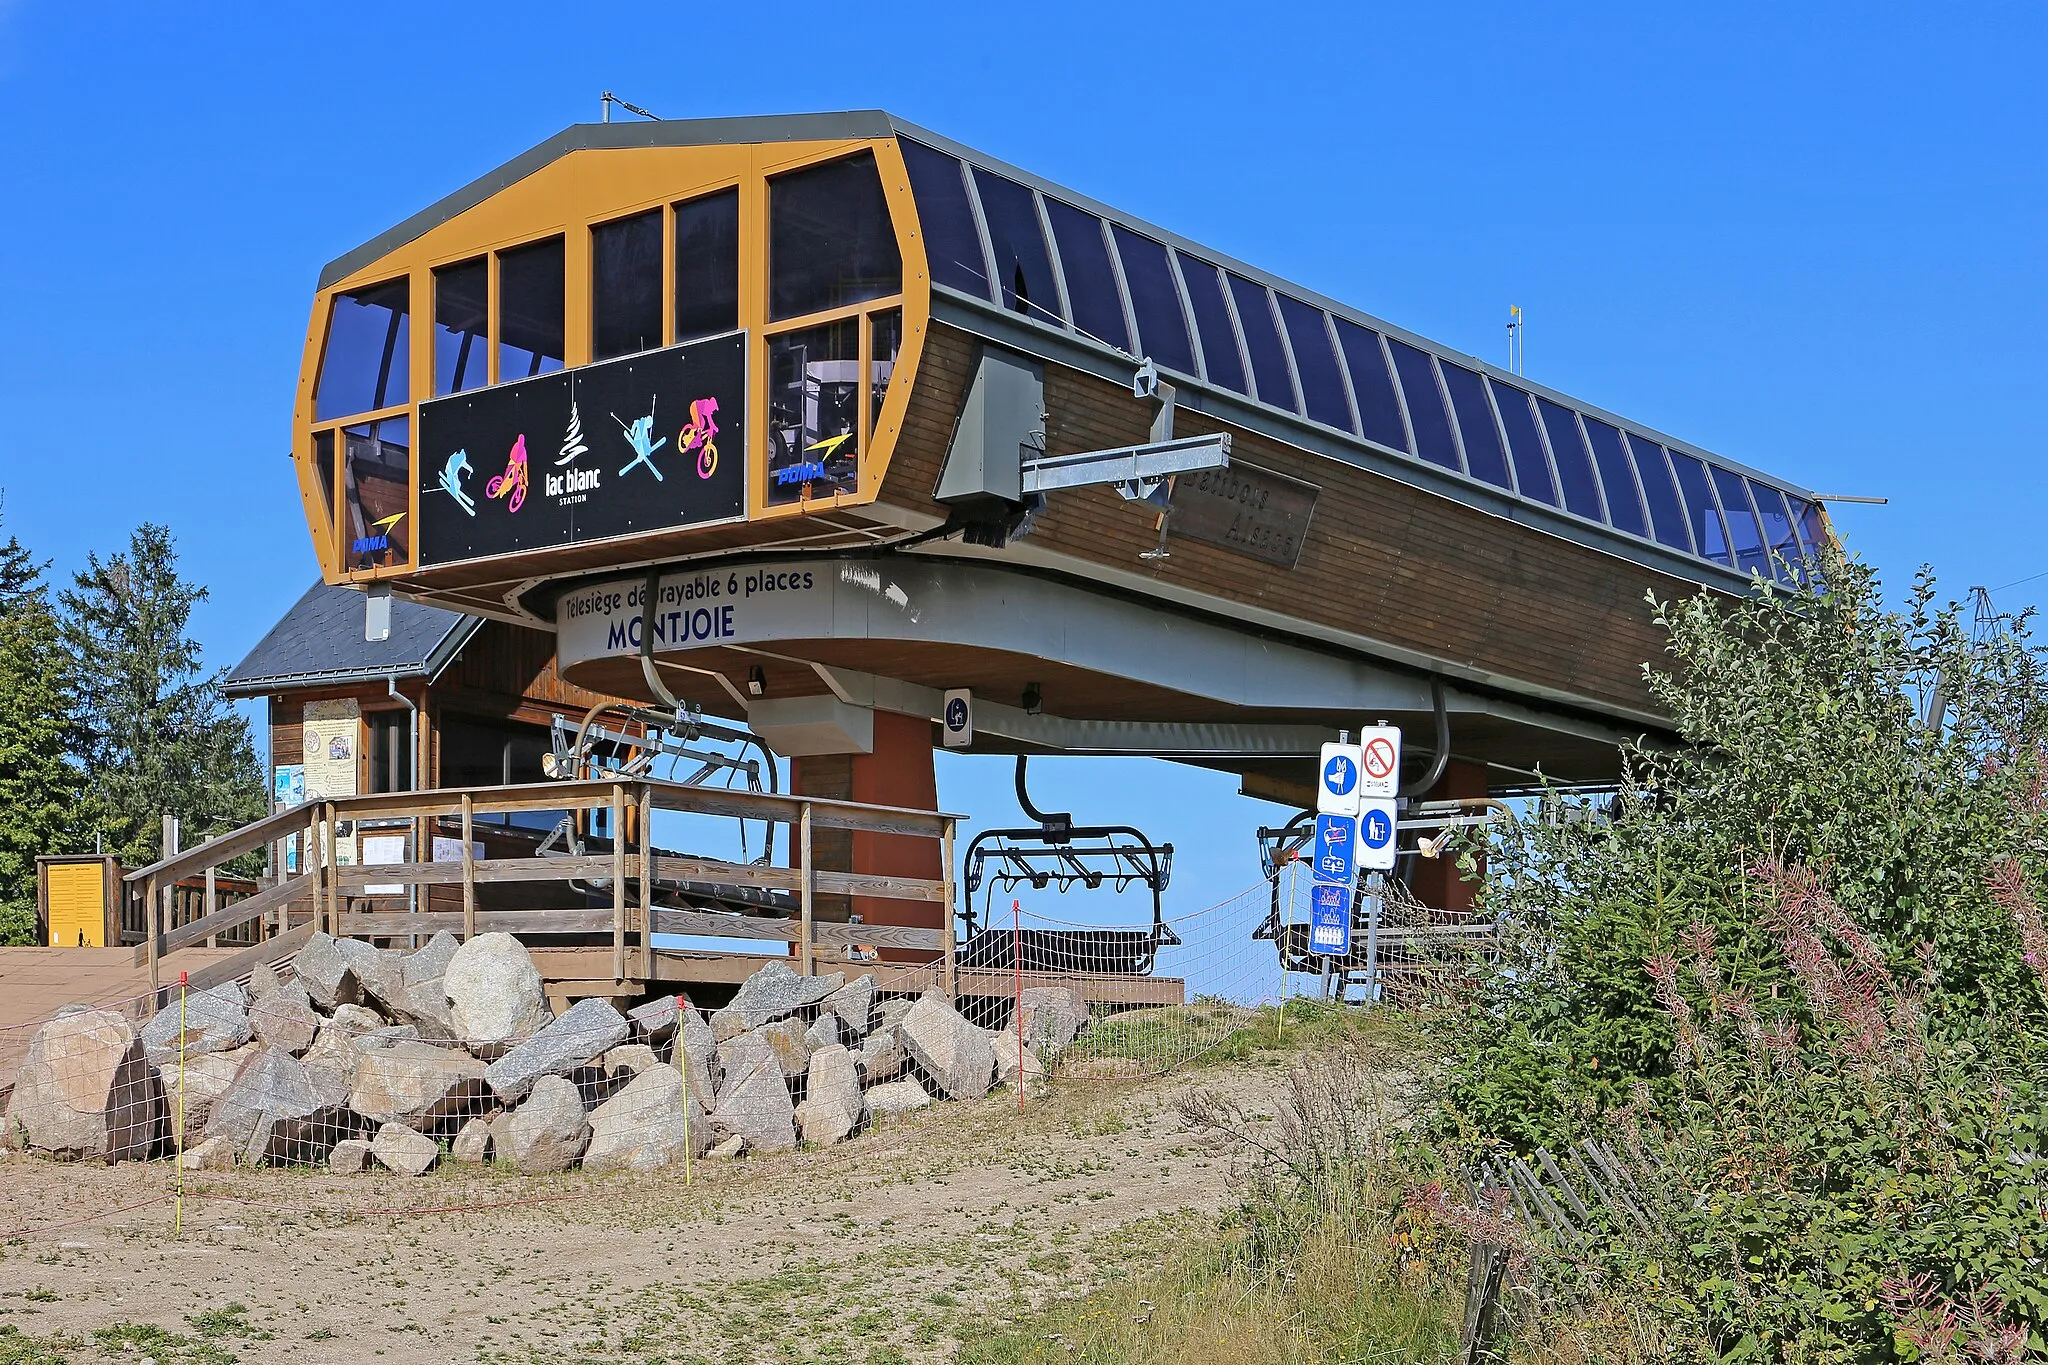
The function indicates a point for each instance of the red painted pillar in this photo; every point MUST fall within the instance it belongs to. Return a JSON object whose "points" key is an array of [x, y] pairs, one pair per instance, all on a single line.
{"points": [[900, 772], [1436, 882]]}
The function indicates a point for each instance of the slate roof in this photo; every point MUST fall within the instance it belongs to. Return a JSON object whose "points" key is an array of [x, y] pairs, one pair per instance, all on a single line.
{"points": [[319, 642]]}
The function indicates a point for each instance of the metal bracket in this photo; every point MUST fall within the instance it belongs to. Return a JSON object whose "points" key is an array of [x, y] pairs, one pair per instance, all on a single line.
{"points": [[1136, 471]]}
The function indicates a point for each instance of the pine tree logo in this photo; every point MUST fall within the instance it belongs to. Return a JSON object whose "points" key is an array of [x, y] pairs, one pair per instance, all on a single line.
{"points": [[572, 444]]}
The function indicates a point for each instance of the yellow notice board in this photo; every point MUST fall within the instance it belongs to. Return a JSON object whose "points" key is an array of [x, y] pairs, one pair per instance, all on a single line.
{"points": [[332, 732], [77, 904]]}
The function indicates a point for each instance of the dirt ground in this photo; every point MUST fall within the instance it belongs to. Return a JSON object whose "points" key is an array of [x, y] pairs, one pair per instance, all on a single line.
{"points": [[891, 1248]]}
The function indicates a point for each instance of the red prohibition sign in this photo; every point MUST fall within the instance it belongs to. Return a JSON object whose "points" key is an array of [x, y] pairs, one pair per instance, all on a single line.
{"points": [[1379, 758]]}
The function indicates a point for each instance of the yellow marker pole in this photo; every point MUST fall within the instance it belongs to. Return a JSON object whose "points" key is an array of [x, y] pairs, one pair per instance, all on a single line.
{"points": [[682, 1004], [178, 1205]]}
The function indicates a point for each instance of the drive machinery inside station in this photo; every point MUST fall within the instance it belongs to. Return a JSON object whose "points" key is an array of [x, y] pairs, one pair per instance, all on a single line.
{"points": [[825, 435]]}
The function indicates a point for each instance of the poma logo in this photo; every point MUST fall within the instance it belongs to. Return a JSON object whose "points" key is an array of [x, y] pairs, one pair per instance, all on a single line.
{"points": [[380, 540]]}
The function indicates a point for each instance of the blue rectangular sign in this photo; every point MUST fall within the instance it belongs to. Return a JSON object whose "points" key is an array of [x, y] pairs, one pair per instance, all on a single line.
{"points": [[1329, 919], [1334, 855]]}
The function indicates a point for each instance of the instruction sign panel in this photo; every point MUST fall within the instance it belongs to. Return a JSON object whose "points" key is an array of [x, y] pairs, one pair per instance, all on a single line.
{"points": [[1376, 826], [958, 717], [1337, 781], [1335, 857], [1379, 761], [1329, 920]]}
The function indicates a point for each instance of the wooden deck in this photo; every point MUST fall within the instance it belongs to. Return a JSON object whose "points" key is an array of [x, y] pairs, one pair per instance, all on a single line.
{"points": [[36, 982]]}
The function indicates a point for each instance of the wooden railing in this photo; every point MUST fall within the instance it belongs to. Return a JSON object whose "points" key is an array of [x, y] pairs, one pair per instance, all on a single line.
{"points": [[324, 895]]}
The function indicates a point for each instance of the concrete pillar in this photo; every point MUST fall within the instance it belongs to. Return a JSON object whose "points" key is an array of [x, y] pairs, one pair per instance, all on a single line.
{"points": [[1435, 881], [899, 772]]}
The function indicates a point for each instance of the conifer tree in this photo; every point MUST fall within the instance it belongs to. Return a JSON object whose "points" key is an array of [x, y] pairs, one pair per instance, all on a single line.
{"points": [[158, 735], [39, 777]]}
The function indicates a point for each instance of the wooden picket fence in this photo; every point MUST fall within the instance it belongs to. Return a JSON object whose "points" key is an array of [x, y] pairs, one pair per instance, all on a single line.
{"points": [[1571, 1209]]}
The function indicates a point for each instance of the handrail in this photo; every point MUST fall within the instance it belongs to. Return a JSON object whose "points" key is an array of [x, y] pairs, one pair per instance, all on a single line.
{"points": [[222, 847], [330, 885]]}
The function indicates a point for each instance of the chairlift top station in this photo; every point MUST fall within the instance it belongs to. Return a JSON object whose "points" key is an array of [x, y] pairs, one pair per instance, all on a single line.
{"points": [[872, 416]]}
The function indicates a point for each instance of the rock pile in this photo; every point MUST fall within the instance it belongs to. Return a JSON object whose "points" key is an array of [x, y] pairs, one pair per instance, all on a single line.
{"points": [[373, 1058]]}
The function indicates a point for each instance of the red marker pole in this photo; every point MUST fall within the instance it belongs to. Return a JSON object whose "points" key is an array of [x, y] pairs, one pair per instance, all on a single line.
{"points": [[1017, 958]]}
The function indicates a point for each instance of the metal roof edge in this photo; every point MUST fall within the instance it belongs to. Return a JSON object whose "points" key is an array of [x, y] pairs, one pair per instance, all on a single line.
{"points": [[579, 137]]}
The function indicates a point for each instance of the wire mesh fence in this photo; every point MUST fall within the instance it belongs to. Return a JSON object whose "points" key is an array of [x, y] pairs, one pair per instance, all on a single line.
{"points": [[355, 1058]]}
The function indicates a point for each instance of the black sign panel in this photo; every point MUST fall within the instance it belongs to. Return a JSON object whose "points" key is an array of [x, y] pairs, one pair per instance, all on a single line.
{"points": [[644, 443]]}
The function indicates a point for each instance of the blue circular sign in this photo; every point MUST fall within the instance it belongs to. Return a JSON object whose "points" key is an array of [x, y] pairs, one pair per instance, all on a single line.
{"points": [[1376, 829], [1340, 775], [956, 714]]}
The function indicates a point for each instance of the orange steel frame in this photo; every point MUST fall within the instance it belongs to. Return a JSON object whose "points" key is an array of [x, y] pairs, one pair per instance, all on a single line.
{"points": [[567, 198]]}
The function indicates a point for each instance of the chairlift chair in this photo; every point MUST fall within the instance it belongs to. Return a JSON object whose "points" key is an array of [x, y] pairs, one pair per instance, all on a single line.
{"points": [[1059, 854]]}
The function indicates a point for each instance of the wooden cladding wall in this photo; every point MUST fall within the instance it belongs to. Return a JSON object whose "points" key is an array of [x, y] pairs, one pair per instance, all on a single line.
{"points": [[515, 663], [1381, 558]]}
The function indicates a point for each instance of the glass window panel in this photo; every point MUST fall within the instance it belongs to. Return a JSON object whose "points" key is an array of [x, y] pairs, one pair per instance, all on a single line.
{"points": [[1741, 522], [376, 484], [1433, 439], [323, 466], [1322, 383], [530, 310], [1660, 494], [1483, 454], [1618, 477], [1023, 267], [946, 217], [830, 241], [1811, 525], [1262, 344], [1092, 296], [1532, 470], [1155, 300], [814, 412], [462, 347], [1709, 531], [366, 363], [1379, 407], [708, 265], [1781, 544], [625, 286], [1212, 320], [1574, 464], [885, 341]]}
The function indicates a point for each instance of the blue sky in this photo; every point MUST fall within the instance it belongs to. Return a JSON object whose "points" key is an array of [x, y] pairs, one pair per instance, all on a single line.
{"points": [[1810, 237]]}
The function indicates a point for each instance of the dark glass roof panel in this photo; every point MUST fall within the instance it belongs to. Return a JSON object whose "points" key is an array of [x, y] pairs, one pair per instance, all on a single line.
{"points": [[1262, 343], [1743, 535], [1155, 300], [1212, 320], [1518, 418], [1426, 414], [1315, 361], [1781, 545], [1484, 457], [1015, 240], [1372, 384], [1617, 477], [1575, 474], [1660, 494], [952, 243], [1092, 294], [1703, 513], [1532, 467]]}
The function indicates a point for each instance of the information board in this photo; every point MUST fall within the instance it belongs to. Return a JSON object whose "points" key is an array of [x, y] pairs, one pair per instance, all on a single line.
{"points": [[1337, 780], [1376, 826], [1379, 761], [647, 442], [1334, 858], [1329, 919]]}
